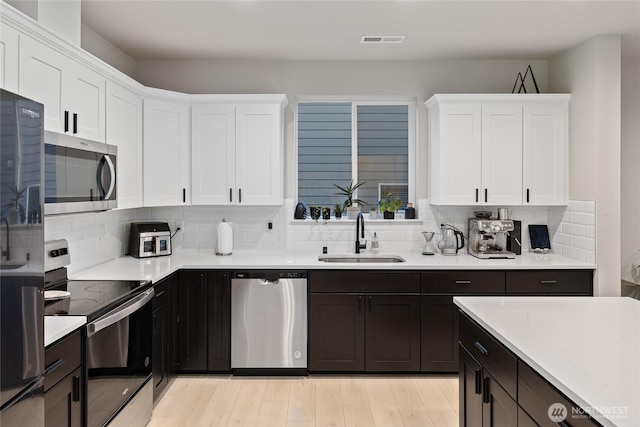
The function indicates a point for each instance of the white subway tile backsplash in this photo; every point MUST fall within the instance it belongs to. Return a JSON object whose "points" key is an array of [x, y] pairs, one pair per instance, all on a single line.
{"points": [[98, 237]]}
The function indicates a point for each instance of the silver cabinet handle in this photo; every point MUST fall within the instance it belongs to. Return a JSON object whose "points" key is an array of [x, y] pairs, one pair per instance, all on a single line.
{"points": [[548, 282], [120, 313], [463, 282]]}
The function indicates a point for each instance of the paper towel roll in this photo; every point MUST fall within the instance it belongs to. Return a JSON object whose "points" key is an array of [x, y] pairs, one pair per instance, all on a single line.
{"points": [[225, 238]]}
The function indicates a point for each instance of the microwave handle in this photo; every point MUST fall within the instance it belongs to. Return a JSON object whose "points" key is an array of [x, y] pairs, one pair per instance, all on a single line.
{"points": [[112, 175], [120, 313]]}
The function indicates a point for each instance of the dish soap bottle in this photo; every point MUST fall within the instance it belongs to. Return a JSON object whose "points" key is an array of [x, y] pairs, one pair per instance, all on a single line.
{"points": [[375, 244]]}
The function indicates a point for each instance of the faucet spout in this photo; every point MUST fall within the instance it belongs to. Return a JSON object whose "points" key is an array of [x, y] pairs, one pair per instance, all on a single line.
{"points": [[360, 233], [6, 252]]}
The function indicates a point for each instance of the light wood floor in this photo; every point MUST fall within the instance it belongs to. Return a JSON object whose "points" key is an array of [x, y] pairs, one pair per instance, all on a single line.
{"points": [[309, 401]]}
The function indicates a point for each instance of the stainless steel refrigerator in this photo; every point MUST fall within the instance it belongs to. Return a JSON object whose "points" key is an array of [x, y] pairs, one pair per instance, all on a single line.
{"points": [[21, 262]]}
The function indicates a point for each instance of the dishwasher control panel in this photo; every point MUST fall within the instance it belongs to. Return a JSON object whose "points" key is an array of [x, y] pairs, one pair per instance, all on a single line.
{"points": [[269, 274]]}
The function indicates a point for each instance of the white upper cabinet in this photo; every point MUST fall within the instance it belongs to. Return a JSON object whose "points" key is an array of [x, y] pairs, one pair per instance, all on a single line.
{"points": [[237, 152], [213, 154], [73, 95], [124, 129], [546, 154], [9, 58], [501, 154], [167, 169], [504, 150]]}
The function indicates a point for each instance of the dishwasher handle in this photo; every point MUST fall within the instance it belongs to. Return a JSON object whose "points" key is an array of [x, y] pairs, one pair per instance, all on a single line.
{"points": [[266, 282]]}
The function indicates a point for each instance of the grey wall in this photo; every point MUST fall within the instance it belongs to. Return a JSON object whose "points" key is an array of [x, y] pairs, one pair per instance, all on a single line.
{"points": [[348, 78]]}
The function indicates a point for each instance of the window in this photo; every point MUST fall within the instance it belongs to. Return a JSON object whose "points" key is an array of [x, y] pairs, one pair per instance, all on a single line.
{"points": [[371, 142]]}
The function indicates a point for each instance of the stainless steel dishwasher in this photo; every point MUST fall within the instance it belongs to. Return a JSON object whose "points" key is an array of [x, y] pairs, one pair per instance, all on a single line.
{"points": [[269, 322]]}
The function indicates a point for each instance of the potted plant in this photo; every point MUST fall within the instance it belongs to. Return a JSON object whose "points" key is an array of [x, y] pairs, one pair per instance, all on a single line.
{"points": [[389, 206], [14, 206], [349, 192], [337, 210]]}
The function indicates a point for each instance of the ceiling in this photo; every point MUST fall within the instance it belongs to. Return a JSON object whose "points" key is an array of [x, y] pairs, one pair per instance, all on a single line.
{"points": [[330, 30]]}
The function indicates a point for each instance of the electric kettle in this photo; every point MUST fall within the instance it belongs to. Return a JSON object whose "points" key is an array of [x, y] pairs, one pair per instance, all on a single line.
{"points": [[452, 240]]}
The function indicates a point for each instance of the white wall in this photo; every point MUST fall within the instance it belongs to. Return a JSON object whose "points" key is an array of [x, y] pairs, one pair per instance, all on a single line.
{"points": [[106, 51], [419, 79], [591, 72], [630, 186]]}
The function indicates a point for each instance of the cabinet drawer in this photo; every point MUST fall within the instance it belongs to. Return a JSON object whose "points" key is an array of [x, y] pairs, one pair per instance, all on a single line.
{"points": [[550, 282], [161, 293], [62, 358], [364, 281], [536, 395], [499, 361], [463, 282]]}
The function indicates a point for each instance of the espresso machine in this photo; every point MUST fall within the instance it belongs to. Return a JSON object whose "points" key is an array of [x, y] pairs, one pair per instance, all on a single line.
{"points": [[488, 238]]}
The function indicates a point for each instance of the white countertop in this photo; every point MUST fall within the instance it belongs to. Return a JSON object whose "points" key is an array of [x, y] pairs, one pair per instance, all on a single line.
{"points": [[130, 268], [588, 348], [56, 327]]}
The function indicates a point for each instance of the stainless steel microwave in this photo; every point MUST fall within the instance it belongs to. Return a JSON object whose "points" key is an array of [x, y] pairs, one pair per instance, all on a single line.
{"points": [[79, 175]]}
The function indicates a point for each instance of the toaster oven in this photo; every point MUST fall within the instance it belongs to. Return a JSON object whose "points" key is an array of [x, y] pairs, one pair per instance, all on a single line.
{"points": [[149, 239]]}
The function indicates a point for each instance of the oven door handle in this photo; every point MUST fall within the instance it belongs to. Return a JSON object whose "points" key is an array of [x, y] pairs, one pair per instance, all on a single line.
{"points": [[120, 313]]}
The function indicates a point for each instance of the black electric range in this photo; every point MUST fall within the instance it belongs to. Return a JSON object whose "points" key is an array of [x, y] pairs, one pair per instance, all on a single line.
{"points": [[117, 338], [90, 298]]}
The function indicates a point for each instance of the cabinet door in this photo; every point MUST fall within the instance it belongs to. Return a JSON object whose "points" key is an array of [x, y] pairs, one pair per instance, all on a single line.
{"points": [[259, 155], [160, 372], [63, 403], [457, 155], [9, 58], [439, 334], [470, 390], [501, 154], [86, 93], [42, 74], [219, 321], [498, 408], [336, 332], [213, 154], [166, 153], [545, 157], [124, 129], [392, 333], [192, 316]]}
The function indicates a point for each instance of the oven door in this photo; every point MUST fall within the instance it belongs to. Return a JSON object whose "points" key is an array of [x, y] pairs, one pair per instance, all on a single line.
{"points": [[118, 356]]}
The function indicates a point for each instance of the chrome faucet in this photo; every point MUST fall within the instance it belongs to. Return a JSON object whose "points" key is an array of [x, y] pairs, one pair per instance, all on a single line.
{"points": [[6, 252], [360, 230]]}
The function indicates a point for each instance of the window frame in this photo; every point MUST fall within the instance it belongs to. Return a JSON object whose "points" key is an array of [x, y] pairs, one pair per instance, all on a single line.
{"points": [[412, 137]]}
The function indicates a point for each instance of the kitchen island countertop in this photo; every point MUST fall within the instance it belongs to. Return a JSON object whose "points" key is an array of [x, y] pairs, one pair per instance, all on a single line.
{"points": [[588, 348], [156, 268]]}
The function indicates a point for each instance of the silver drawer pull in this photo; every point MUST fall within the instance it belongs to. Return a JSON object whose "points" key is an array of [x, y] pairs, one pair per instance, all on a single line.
{"points": [[548, 282], [482, 348], [463, 282]]}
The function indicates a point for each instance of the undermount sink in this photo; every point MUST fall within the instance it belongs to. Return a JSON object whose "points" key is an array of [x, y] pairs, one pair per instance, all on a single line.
{"points": [[361, 258]]}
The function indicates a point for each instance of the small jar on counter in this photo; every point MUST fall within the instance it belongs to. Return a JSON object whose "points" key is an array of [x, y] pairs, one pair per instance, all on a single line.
{"points": [[410, 212]]}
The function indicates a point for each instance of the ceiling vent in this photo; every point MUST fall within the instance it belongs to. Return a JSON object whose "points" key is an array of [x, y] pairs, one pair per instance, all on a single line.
{"points": [[381, 39]]}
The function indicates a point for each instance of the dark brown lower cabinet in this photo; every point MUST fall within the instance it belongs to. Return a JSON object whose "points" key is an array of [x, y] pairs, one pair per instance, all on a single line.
{"points": [[204, 321], [164, 364], [63, 403], [219, 321], [364, 332], [439, 330], [392, 333], [483, 402], [63, 384], [336, 332], [192, 321]]}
